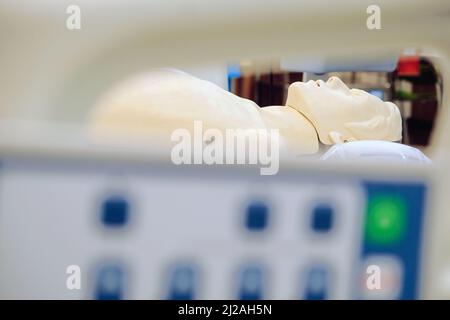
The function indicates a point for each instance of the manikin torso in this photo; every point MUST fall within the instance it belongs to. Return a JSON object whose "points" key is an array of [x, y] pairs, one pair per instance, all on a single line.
{"points": [[155, 104]]}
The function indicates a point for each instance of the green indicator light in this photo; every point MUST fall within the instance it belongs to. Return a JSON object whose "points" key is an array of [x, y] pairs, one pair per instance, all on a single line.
{"points": [[386, 219]]}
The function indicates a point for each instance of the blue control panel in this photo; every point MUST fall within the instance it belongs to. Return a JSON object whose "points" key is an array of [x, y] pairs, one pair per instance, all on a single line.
{"points": [[152, 234]]}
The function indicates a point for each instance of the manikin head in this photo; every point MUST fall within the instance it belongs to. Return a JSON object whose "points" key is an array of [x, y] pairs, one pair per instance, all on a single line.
{"points": [[341, 114]]}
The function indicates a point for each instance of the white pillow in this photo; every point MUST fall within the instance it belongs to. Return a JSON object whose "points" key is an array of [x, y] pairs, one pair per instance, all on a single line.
{"points": [[375, 150]]}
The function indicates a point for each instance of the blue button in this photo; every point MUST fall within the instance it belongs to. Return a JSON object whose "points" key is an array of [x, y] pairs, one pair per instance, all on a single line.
{"points": [[182, 284], [251, 284], [257, 216], [115, 211], [110, 283], [322, 218], [316, 284]]}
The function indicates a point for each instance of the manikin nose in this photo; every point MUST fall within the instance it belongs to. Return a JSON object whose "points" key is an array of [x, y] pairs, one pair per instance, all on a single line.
{"points": [[336, 83]]}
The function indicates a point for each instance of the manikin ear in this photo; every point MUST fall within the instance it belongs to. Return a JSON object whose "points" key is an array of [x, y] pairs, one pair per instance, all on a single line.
{"points": [[379, 127], [370, 129]]}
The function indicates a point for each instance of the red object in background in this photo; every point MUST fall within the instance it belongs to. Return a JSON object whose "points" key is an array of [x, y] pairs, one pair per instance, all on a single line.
{"points": [[408, 66]]}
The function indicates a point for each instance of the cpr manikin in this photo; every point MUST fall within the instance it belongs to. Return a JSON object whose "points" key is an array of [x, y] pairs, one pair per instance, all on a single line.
{"points": [[340, 114], [151, 106], [159, 102]]}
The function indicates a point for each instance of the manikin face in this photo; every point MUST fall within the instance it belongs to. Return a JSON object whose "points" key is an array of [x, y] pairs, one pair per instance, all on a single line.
{"points": [[341, 114]]}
